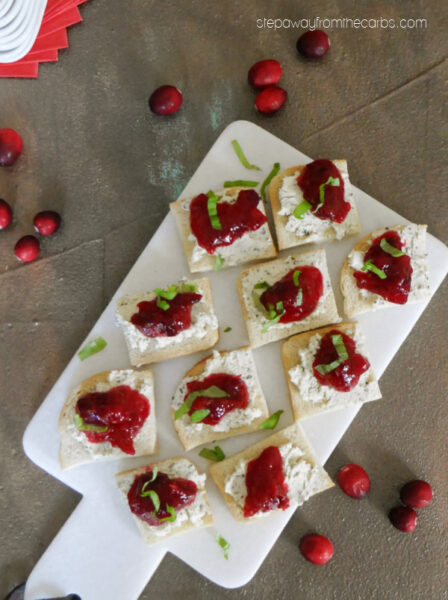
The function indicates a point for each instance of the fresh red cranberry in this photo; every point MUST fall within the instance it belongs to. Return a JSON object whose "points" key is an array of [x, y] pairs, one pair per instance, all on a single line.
{"points": [[316, 548], [27, 248], [165, 100], [265, 72], [416, 494], [10, 147], [403, 518], [270, 100], [313, 44], [47, 222], [354, 481], [5, 214]]}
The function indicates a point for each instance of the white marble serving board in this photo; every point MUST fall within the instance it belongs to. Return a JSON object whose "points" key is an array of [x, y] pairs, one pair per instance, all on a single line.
{"points": [[99, 553]]}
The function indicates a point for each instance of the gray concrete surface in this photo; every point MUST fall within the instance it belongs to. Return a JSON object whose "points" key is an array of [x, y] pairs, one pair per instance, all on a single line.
{"points": [[95, 153]]}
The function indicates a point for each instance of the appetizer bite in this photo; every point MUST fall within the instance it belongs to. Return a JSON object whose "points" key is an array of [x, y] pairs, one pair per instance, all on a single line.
{"points": [[166, 498], [287, 296], [274, 474], [108, 416], [328, 369], [218, 398], [313, 203], [223, 229], [168, 323], [386, 268]]}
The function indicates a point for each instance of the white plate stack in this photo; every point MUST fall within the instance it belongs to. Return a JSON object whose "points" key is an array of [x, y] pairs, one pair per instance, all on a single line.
{"points": [[20, 21]]}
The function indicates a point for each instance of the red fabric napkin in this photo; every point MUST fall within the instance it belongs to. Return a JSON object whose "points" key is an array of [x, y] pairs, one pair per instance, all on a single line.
{"points": [[52, 37]]}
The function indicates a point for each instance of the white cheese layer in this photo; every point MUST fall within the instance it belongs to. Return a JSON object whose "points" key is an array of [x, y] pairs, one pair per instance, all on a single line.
{"points": [[248, 247], [414, 238], [303, 479], [203, 320], [273, 272], [238, 362], [194, 513], [118, 377], [310, 226], [311, 390]]}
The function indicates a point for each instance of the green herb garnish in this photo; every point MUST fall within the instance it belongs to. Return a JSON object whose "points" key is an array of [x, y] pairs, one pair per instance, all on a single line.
{"points": [[81, 425], [369, 266], [295, 278], [199, 415], [333, 181], [224, 545], [169, 294], [301, 209], [212, 207], [216, 455], [324, 369], [340, 348], [262, 285], [163, 304], [227, 329], [210, 392], [188, 287], [92, 348], [274, 316], [172, 514], [241, 183], [154, 499], [219, 263], [272, 421], [395, 252], [239, 152], [269, 178], [299, 297]]}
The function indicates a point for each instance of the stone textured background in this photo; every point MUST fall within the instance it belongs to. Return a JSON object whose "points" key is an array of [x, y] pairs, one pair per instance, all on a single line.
{"points": [[95, 153]]}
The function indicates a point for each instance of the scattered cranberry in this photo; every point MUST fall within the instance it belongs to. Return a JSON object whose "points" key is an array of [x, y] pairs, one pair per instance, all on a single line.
{"points": [[265, 72], [47, 222], [403, 518], [27, 248], [354, 481], [316, 548], [10, 147], [165, 100], [313, 44], [270, 100], [416, 494], [5, 214]]}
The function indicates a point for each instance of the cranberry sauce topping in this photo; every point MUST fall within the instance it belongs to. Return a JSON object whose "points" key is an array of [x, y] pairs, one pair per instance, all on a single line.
{"points": [[121, 409], [153, 321], [299, 301], [174, 492], [396, 286], [238, 396], [318, 182], [265, 481], [236, 219], [345, 376]]}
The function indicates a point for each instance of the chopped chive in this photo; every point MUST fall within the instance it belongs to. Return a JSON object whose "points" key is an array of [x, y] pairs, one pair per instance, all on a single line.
{"points": [[369, 266], [92, 348], [224, 545], [295, 278], [270, 322], [339, 345], [324, 369], [239, 152], [211, 392], [212, 207], [269, 178], [240, 183], [163, 304], [301, 209], [258, 304], [219, 263], [395, 252], [279, 307], [227, 329], [262, 285], [188, 287], [154, 474], [172, 514], [168, 294], [81, 425], [333, 181], [216, 455], [199, 415], [272, 421], [299, 297]]}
